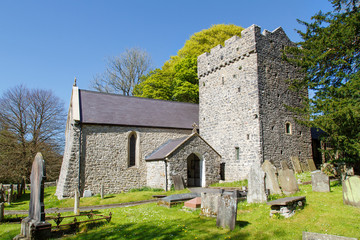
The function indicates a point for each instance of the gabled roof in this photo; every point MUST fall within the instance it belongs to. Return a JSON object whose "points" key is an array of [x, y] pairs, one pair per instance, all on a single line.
{"points": [[114, 109], [166, 149]]}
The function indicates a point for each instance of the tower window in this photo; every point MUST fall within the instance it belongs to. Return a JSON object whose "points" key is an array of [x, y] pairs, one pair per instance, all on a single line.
{"points": [[288, 128], [222, 80], [237, 153]]}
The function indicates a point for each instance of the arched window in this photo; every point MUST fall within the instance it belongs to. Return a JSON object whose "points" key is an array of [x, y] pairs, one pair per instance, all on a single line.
{"points": [[288, 128], [132, 150]]}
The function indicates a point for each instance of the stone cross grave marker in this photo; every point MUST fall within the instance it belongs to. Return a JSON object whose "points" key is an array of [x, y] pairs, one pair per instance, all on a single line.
{"points": [[320, 182], [34, 226], [256, 185], [226, 217], [288, 181], [351, 191], [296, 164], [178, 182], [271, 180]]}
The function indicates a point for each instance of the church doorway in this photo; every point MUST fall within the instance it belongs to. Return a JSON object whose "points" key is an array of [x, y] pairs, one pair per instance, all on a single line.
{"points": [[194, 171]]}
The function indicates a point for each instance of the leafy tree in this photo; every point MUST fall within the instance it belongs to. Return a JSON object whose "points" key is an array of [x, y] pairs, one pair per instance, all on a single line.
{"points": [[31, 120], [329, 56], [123, 72], [177, 78]]}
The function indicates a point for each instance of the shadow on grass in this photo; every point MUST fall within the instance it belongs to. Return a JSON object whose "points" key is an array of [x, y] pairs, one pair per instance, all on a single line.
{"points": [[71, 230], [167, 230], [24, 199]]}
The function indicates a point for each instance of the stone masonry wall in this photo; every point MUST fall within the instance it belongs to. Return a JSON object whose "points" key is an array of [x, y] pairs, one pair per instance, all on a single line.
{"points": [[68, 179], [106, 156], [211, 161], [155, 176], [274, 74], [229, 103], [242, 89]]}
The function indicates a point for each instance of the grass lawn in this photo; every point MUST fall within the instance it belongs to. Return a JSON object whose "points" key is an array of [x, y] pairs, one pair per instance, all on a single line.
{"points": [[324, 213]]}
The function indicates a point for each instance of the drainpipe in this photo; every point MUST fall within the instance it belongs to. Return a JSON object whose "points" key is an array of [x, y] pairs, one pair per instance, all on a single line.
{"points": [[166, 176]]}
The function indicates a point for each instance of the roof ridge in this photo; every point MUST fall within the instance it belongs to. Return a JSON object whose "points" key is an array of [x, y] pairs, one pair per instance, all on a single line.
{"points": [[142, 98]]}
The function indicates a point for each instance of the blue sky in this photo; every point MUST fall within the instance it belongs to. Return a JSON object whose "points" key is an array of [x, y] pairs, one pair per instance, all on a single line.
{"points": [[46, 44]]}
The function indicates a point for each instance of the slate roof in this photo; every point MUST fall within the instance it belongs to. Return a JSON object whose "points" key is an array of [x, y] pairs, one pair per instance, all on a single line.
{"points": [[114, 109], [164, 150]]}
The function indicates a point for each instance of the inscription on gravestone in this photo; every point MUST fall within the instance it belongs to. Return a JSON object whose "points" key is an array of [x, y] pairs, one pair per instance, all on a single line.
{"points": [[226, 217]]}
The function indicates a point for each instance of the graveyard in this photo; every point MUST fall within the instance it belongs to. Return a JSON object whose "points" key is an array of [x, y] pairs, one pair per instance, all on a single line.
{"points": [[324, 213]]}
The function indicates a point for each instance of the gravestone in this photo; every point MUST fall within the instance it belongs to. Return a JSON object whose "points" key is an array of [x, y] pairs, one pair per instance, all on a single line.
{"points": [[311, 164], [351, 191], [304, 167], [271, 180], [319, 236], [23, 185], [210, 203], [320, 182], [19, 193], [193, 204], [178, 182], [226, 217], [77, 202], [34, 226], [296, 164], [284, 165], [256, 185], [177, 198], [87, 193], [2, 206], [9, 196], [287, 181], [102, 191], [2, 193]]}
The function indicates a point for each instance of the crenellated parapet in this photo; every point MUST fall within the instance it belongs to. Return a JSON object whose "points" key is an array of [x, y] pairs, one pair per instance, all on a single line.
{"points": [[236, 48]]}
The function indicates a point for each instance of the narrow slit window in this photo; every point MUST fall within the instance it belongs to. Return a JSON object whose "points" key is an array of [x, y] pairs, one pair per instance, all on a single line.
{"points": [[237, 153], [132, 150], [288, 128]]}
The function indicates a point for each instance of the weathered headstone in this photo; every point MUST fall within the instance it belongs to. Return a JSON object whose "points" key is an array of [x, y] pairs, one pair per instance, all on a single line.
{"points": [[296, 164], [271, 180], [102, 191], [256, 185], [2, 206], [287, 181], [311, 164], [77, 202], [351, 191], [226, 217], [284, 165], [210, 204], [9, 196], [319, 236], [178, 182], [2, 193], [23, 185], [320, 182], [87, 193], [19, 193], [34, 226], [304, 167]]}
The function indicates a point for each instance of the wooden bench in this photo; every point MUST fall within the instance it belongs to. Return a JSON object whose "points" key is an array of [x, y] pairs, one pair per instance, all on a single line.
{"points": [[286, 206]]}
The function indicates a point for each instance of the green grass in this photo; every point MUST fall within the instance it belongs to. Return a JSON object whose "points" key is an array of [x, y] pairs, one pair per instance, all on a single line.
{"points": [[324, 213], [231, 184], [51, 201]]}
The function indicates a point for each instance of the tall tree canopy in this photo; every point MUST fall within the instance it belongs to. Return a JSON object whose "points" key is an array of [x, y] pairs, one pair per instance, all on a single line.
{"points": [[330, 55], [123, 72], [177, 79], [31, 121]]}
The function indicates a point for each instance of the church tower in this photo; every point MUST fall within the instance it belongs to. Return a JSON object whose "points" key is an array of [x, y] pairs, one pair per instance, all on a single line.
{"points": [[244, 91]]}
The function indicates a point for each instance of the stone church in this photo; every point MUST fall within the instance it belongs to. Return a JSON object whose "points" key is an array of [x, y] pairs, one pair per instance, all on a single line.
{"points": [[128, 142]]}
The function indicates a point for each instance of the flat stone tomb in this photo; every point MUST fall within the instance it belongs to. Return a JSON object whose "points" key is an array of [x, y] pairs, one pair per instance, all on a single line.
{"points": [[286, 206], [177, 198], [193, 203]]}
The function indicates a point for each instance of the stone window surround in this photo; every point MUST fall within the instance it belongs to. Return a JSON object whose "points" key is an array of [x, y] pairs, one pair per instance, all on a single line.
{"points": [[137, 148], [288, 128]]}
